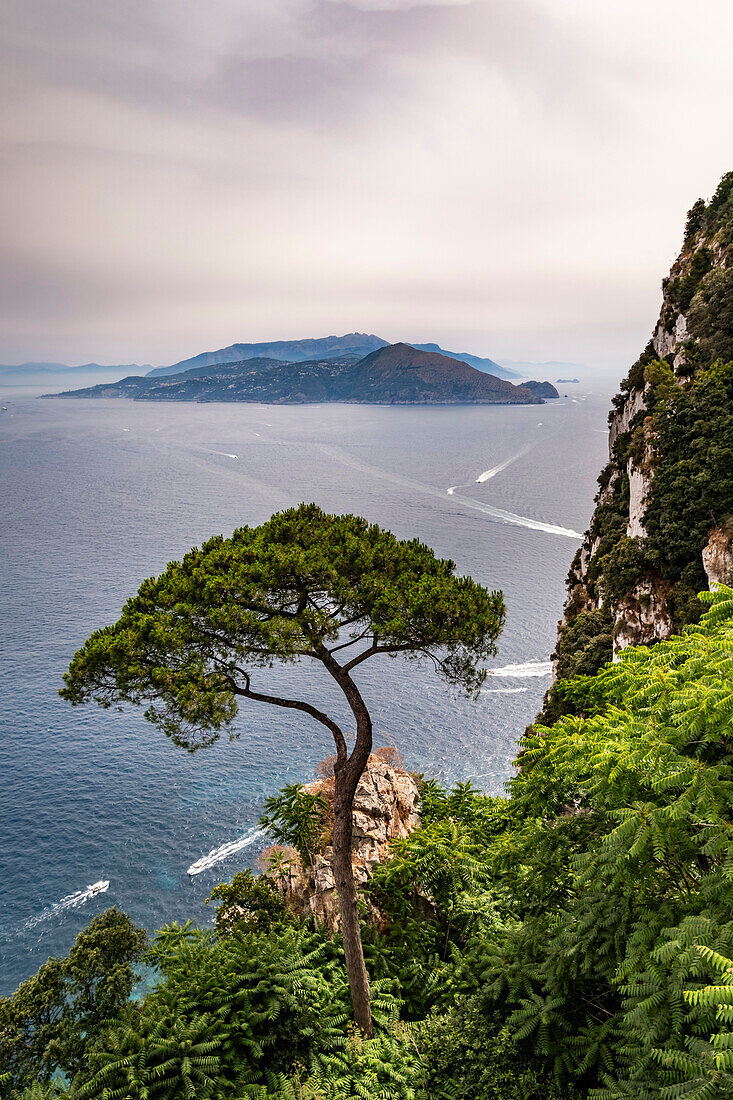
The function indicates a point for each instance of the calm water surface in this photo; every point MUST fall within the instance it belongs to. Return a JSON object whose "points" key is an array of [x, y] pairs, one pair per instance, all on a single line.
{"points": [[98, 495]]}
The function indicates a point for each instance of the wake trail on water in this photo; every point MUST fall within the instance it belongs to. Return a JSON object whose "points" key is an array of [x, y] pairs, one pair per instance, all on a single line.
{"points": [[478, 506], [518, 521], [502, 691], [494, 470], [71, 901], [216, 855], [524, 670]]}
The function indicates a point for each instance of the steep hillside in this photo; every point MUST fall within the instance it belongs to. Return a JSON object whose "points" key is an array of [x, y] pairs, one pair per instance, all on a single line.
{"points": [[397, 374], [661, 530], [402, 374]]}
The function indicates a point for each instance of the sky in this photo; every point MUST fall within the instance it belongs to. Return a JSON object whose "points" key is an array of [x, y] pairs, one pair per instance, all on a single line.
{"points": [[507, 177]]}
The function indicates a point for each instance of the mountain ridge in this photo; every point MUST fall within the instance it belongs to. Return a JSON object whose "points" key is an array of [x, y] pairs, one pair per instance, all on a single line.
{"points": [[298, 351], [357, 344], [394, 374]]}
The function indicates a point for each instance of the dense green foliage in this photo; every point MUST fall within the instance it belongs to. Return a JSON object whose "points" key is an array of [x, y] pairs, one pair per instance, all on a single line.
{"points": [[630, 810], [192, 641], [692, 489], [585, 645], [298, 818], [573, 940], [710, 320], [44, 1026], [247, 904]]}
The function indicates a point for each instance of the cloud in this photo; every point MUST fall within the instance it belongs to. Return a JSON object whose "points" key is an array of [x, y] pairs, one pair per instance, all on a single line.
{"points": [[179, 176], [399, 5]]}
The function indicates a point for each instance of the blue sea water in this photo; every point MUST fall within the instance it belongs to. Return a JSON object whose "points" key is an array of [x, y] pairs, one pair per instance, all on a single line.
{"points": [[97, 495]]}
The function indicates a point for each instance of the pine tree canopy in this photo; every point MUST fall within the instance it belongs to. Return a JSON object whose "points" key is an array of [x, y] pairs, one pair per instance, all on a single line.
{"points": [[301, 586]]}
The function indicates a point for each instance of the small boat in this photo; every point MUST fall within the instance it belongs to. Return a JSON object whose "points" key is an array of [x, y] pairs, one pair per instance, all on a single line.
{"points": [[100, 887]]}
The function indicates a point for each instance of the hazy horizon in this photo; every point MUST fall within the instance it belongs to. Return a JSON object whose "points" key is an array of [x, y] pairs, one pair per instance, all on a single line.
{"points": [[494, 178], [53, 364]]}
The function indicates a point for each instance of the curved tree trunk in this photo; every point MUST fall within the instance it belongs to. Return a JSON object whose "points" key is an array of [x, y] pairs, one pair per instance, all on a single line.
{"points": [[346, 888], [348, 772]]}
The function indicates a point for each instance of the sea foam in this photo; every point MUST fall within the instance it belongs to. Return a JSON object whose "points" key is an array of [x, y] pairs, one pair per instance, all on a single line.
{"points": [[216, 855], [71, 901], [523, 671]]}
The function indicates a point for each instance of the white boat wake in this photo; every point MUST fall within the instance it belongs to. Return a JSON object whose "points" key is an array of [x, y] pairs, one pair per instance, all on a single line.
{"points": [[524, 671], [467, 502], [216, 855], [494, 470], [502, 691], [71, 901], [518, 521]]}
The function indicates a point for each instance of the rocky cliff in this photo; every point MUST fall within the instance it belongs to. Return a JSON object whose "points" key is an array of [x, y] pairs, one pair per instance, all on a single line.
{"points": [[385, 808], [661, 530]]}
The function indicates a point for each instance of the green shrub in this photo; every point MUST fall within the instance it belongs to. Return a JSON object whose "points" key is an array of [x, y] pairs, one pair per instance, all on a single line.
{"points": [[48, 1024], [710, 320], [622, 567], [585, 645], [692, 488], [294, 816], [247, 904], [469, 1054]]}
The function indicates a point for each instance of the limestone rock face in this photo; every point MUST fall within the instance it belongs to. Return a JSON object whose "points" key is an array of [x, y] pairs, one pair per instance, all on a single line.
{"points": [[385, 808], [621, 419], [639, 482], [717, 556], [642, 616], [667, 340]]}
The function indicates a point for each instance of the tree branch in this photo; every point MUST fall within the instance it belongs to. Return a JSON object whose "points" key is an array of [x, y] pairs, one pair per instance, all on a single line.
{"points": [[293, 704], [353, 641], [375, 649]]}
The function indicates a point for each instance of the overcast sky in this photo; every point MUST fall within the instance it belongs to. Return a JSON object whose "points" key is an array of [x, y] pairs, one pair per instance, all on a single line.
{"points": [[508, 177]]}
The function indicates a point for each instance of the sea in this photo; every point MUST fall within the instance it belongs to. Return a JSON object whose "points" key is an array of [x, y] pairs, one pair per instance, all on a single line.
{"points": [[99, 494]]}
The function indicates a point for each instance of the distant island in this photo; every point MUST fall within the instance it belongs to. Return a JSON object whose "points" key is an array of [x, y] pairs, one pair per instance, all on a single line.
{"points": [[395, 374], [568, 381], [545, 390], [356, 344]]}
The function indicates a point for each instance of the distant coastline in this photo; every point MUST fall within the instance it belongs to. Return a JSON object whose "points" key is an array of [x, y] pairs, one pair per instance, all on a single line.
{"points": [[395, 374]]}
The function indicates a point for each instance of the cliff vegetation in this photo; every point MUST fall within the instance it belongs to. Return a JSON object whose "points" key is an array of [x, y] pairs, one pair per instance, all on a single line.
{"points": [[573, 940], [662, 523]]}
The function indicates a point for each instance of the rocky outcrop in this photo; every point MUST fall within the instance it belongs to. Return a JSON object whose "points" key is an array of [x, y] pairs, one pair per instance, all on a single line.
{"points": [[667, 342], [640, 473], [385, 808], [717, 556], [546, 390], [620, 420], [639, 485], [642, 616]]}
